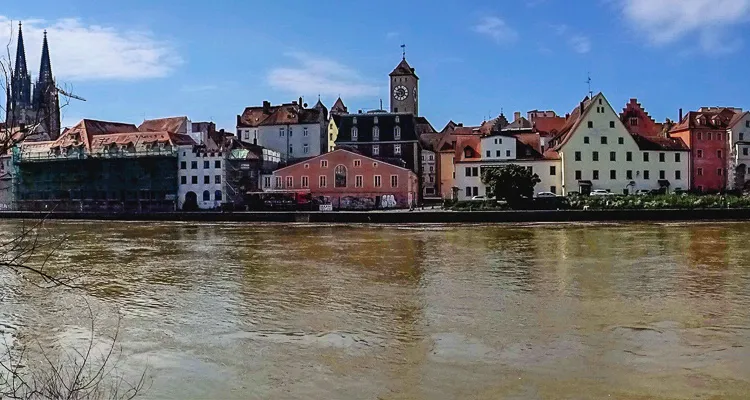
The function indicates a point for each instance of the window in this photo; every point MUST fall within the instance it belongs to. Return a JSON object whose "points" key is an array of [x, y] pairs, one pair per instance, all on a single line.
{"points": [[247, 135], [376, 181], [279, 182], [646, 175], [355, 133], [397, 133], [621, 140], [611, 124], [194, 180], [677, 175], [596, 175], [375, 133], [629, 174], [206, 164], [431, 157], [305, 148], [375, 150], [476, 191], [475, 171], [217, 179], [354, 120], [183, 164], [612, 156], [710, 136], [742, 135], [612, 174], [218, 195], [206, 195], [290, 132], [468, 171], [183, 180], [489, 154], [700, 171], [553, 189], [719, 172], [578, 175], [719, 153], [585, 140], [305, 182], [718, 136], [394, 181], [700, 136], [604, 140], [305, 132], [744, 151], [397, 149], [498, 153], [662, 174], [633, 121], [357, 163], [194, 165], [468, 191], [747, 124], [339, 176], [591, 124], [267, 182], [645, 157], [358, 181], [629, 156], [206, 179], [375, 120], [217, 164], [578, 156], [291, 149], [553, 170], [595, 156], [322, 181], [700, 153], [676, 157], [507, 153], [281, 132]]}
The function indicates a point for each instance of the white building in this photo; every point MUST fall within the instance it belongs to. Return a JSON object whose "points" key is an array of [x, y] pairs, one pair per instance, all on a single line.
{"points": [[738, 134], [429, 173], [291, 129], [201, 174], [597, 152], [502, 150]]}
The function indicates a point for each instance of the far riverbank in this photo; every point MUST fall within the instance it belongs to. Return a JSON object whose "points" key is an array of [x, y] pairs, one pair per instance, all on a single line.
{"points": [[404, 216]]}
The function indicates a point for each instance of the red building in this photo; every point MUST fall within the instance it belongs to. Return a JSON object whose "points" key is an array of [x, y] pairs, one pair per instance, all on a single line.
{"points": [[704, 131], [638, 122], [350, 181]]}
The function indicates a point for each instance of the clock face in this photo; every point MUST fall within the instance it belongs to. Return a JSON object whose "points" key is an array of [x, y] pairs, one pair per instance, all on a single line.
{"points": [[400, 93]]}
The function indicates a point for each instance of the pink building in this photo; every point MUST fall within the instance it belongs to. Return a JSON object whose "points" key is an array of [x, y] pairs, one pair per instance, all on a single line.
{"points": [[350, 181]]}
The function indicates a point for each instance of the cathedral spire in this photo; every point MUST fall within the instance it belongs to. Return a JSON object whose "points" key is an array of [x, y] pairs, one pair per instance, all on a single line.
{"points": [[45, 70], [20, 67]]}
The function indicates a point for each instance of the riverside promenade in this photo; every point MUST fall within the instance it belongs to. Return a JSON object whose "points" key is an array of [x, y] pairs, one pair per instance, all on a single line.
{"points": [[402, 216]]}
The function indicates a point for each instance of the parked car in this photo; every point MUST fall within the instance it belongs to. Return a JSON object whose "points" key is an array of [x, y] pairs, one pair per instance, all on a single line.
{"points": [[546, 194], [601, 192], [478, 198], [642, 192]]}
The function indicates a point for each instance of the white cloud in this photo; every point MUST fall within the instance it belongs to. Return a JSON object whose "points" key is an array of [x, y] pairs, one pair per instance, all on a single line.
{"points": [[667, 21], [392, 35], [496, 29], [579, 43], [315, 75], [198, 88], [83, 52]]}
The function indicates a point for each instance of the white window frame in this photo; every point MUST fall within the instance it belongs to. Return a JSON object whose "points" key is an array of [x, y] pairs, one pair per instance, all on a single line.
{"points": [[323, 163], [397, 133], [397, 149], [279, 182], [355, 133], [375, 150], [289, 182], [305, 132]]}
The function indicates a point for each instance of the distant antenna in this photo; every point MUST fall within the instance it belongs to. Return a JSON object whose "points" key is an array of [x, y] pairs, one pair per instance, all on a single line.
{"points": [[381, 104], [403, 51], [588, 81]]}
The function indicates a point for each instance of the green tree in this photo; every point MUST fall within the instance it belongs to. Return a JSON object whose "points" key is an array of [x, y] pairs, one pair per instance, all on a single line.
{"points": [[511, 182]]}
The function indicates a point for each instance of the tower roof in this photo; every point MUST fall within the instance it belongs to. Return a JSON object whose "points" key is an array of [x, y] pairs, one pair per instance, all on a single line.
{"points": [[45, 70], [20, 67], [404, 69], [339, 107]]}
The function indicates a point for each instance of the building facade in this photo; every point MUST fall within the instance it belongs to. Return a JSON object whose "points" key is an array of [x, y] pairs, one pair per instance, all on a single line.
{"points": [[598, 152], [429, 173], [202, 184], [404, 84], [350, 181], [291, 129], [738, 135], [249, 169]]}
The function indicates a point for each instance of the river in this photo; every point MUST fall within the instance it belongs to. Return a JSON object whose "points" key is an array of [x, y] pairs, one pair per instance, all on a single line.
{"points": [[547, 311]]}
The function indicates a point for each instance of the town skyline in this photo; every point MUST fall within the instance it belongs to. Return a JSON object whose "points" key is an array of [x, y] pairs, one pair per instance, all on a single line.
{"points": [[167, 64]]}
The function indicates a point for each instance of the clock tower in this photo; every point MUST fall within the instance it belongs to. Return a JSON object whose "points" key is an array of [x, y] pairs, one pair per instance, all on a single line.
{"points": [[404, 89]]}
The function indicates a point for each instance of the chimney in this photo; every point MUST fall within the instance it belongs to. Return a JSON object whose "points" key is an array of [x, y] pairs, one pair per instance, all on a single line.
{"points": [[266, 107], [516, 116], [680, 115], [460, 125], [300, 101], [582, 107], [359, 111]]}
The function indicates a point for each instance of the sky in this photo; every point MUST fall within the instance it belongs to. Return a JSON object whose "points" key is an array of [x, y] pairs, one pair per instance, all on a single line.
{"points": [[144, 59]]}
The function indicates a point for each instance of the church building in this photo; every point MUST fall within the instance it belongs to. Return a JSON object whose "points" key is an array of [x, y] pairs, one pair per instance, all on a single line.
{"points": [[40, 106]]}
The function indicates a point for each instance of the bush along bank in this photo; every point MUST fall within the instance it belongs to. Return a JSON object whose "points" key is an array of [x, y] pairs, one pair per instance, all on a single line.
{"points": [[660, 202]]}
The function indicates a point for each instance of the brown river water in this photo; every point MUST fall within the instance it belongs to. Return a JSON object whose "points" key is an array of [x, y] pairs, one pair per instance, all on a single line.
{"points": [[238, 311]]}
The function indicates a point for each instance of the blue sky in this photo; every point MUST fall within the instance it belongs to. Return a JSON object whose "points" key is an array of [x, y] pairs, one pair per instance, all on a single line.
{"points": [[208, 60]]}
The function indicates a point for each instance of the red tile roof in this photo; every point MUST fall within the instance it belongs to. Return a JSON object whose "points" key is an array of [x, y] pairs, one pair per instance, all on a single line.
{"points": [[171, 124], [474, 142], [705, 119], [277, 115], [548, 126]]}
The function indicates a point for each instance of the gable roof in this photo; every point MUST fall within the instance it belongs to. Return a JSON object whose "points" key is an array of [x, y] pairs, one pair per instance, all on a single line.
{"points": [[519, 124], [348, 152], [714, 119], [737, 118], [171, 124], [403, 69], [289, 113], [572, 122], [339, 107], [83, 132]]}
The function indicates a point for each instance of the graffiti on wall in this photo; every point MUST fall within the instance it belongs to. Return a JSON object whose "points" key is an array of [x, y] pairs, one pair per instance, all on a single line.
{"points": [[388, 201], [356, 203]]}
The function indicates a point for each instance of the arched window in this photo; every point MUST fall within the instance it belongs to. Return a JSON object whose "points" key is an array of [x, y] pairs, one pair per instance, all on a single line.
{"points": [[217, 195], [375, 133], [340, 176], [397, 133], [206, 195], [355, 133]]}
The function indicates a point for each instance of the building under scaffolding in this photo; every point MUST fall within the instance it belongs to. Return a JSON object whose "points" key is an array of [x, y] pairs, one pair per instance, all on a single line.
{"points": [[98, 166], [245, 166]]}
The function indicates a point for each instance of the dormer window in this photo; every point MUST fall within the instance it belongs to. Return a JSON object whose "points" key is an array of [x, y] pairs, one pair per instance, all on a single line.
{"points": [[398, 121], [468, 153], [375, 120], [397, 133], [355, 133], [633, 121], [375, 133], [354, 120]]}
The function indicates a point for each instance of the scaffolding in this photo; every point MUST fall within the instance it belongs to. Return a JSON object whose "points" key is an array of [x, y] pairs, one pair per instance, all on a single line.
{"points": [[144, 181]]}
